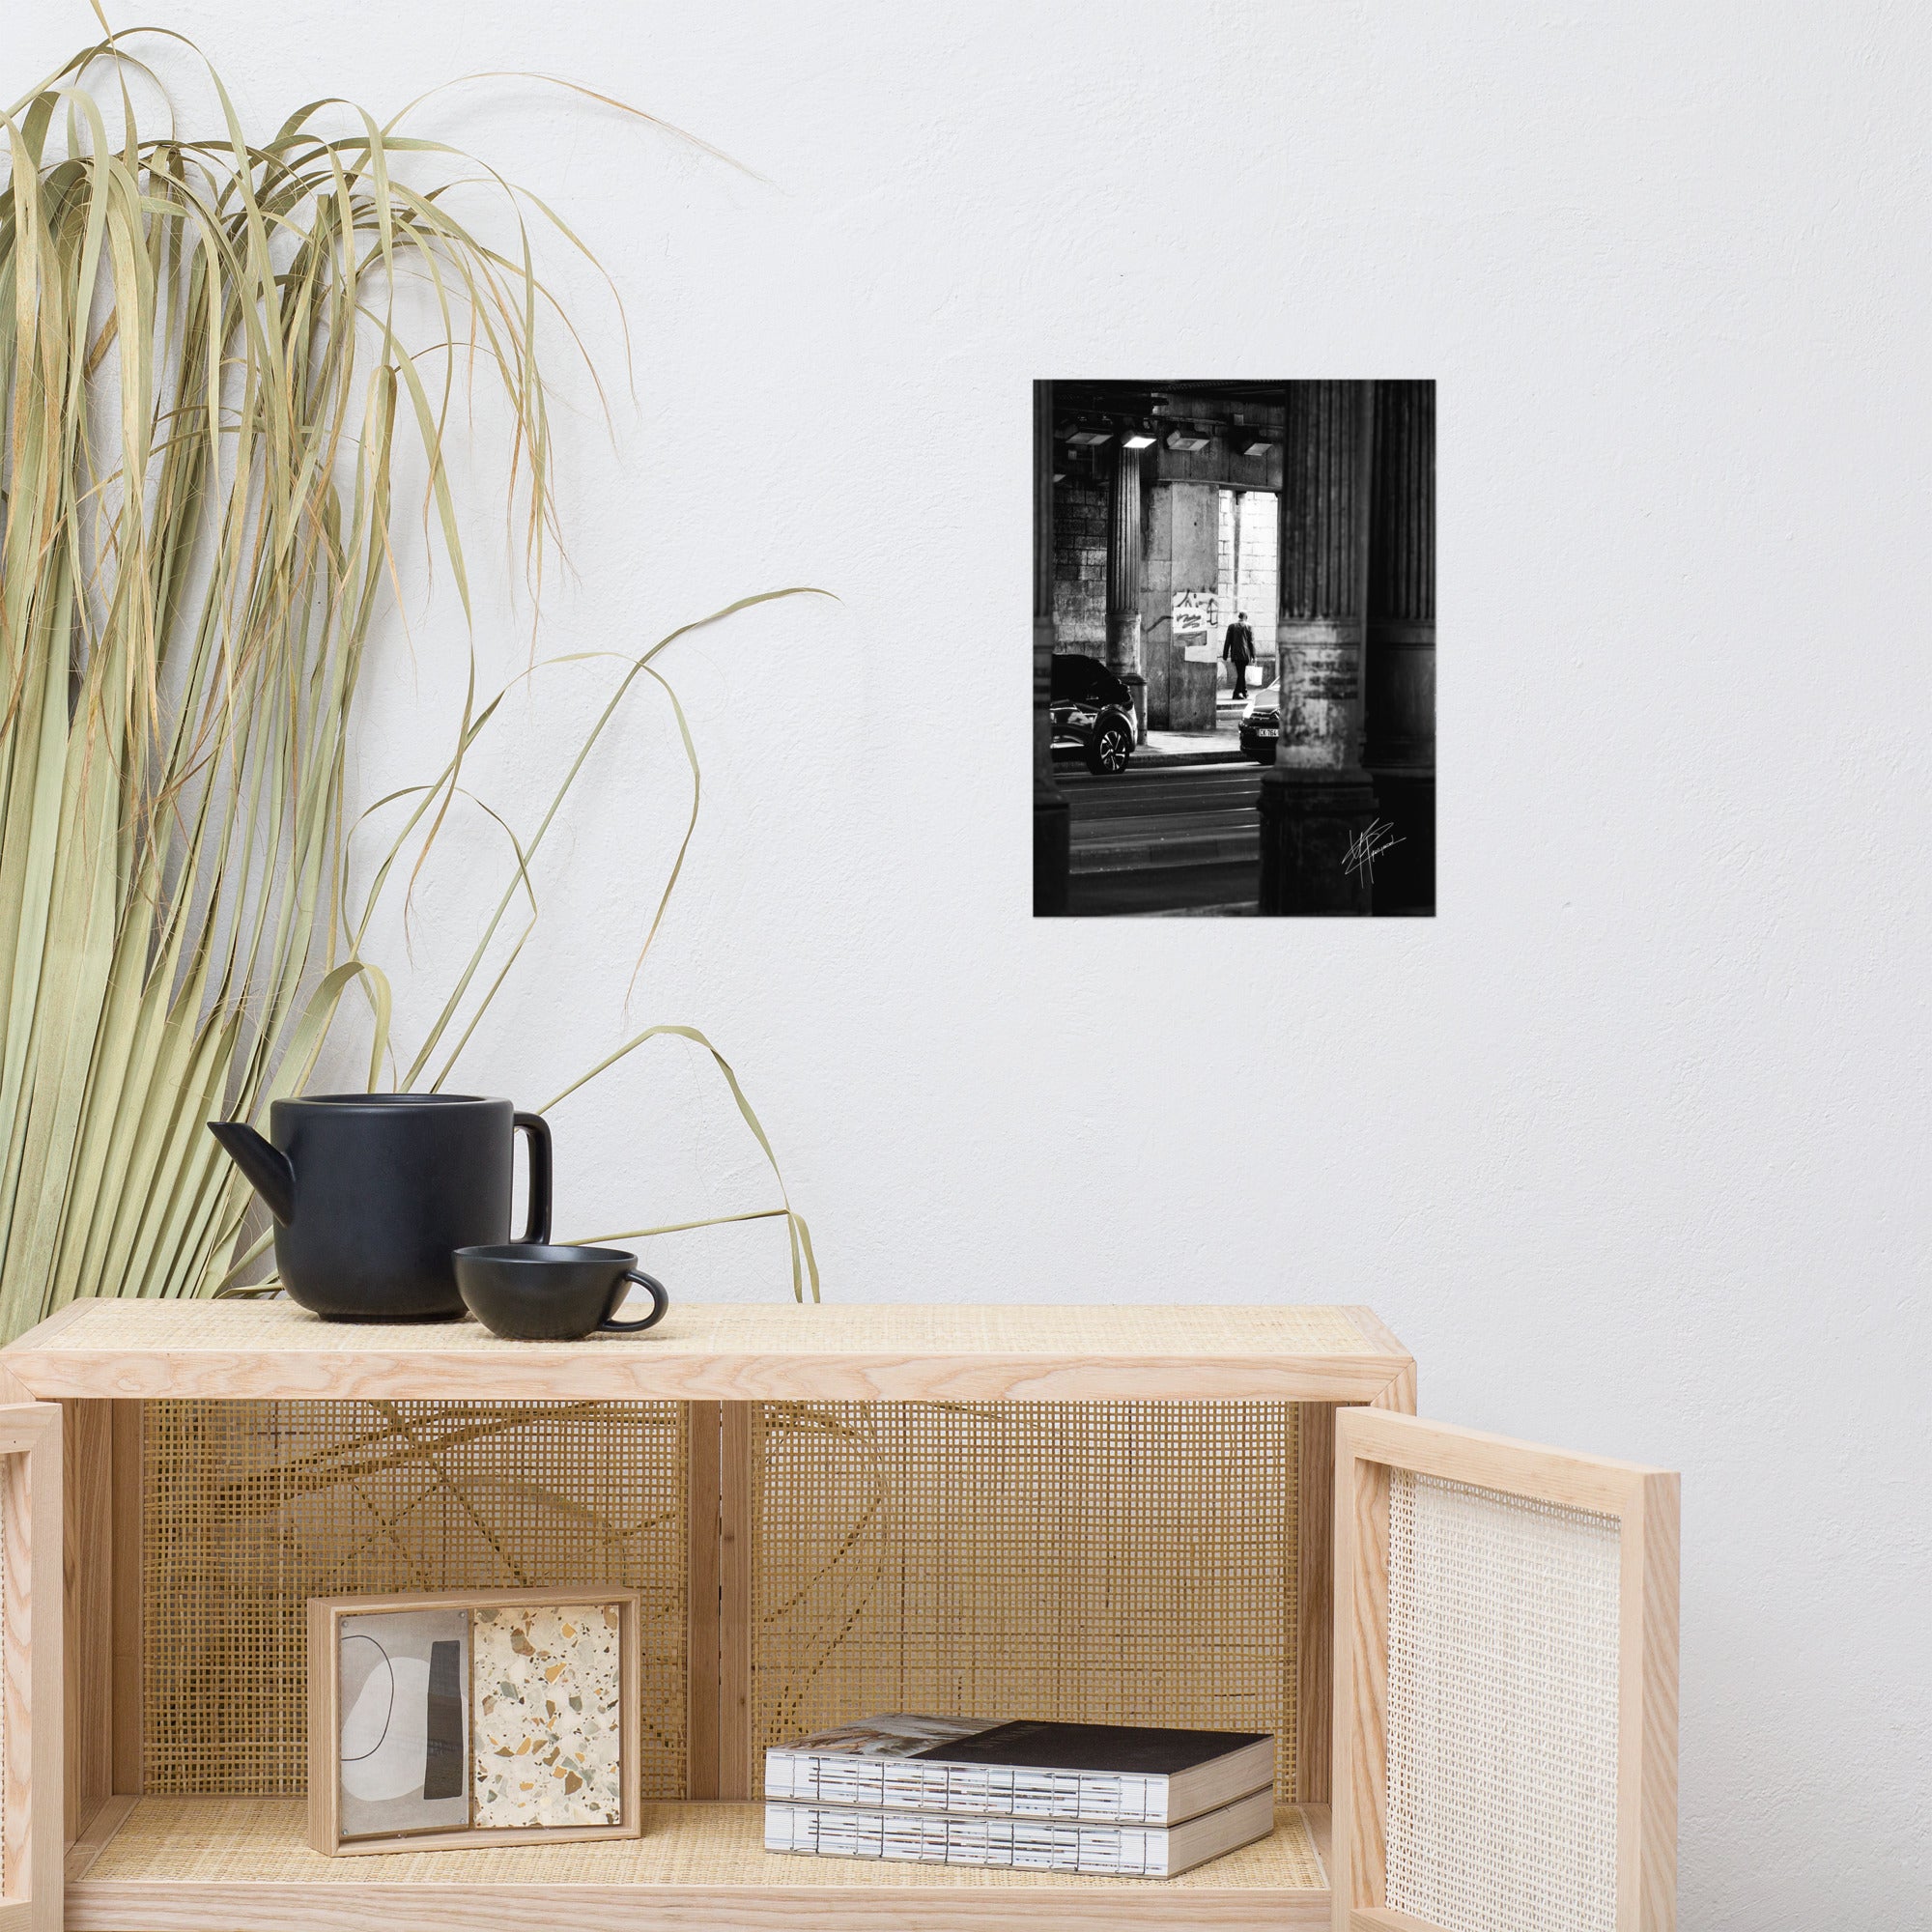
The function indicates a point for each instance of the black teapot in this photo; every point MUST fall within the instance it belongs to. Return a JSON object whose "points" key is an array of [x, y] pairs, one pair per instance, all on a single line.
{"points": [[373, 1192]]}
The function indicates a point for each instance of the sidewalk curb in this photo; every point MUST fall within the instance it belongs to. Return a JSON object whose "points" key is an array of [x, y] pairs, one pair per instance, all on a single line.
{"points": [[1141, 760], [1144, 757]]}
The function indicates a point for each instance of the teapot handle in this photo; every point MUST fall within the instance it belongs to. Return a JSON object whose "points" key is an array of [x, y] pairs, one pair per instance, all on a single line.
{"points": [[537, 1129]]}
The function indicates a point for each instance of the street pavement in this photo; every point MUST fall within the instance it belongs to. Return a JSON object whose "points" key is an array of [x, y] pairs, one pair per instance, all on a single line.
{"points": [[1220, 746], [1164, 838]]}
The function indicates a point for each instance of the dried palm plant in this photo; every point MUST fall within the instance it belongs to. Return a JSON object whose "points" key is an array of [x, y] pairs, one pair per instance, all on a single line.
{"points": [[208, 384]]}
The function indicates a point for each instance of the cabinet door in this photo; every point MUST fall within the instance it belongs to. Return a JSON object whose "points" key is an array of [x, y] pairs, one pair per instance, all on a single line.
{"points": [[30, 1668], [1505, 1684]]}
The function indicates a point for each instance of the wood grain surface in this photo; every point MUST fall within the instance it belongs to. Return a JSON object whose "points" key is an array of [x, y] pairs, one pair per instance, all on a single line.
{"points": [[731, 1352]]}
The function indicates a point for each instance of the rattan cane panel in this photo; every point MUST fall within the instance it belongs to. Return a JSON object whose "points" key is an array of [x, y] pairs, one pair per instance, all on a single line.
{"points": [[210, 1841], [1105, 1562], [1502, 1710], [250, 1508]]}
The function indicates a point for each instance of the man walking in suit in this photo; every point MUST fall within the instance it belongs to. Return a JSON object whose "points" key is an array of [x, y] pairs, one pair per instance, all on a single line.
{"points": [[1239, 651]]}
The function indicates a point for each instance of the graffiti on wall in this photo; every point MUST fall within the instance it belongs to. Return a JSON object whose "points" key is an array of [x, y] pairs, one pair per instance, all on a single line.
{"points": [[1197, 624]]}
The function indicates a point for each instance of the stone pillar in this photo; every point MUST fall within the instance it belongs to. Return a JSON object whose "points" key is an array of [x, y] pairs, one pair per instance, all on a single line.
{"points": [[1318, 802], [1400, 724], [1256, 533], [1050, 828], [1183, 525], [1123, 563]]}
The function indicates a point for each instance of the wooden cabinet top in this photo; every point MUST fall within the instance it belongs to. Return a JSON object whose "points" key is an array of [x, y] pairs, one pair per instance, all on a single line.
{"points": [[735, 1351]]}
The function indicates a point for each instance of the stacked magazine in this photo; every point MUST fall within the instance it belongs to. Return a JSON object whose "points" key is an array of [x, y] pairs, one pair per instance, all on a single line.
{"points": [[1112, 1799]]}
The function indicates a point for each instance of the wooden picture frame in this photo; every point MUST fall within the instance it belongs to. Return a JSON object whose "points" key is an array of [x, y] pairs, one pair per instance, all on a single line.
{"points": [[325, 1618], [1372, 1445]]}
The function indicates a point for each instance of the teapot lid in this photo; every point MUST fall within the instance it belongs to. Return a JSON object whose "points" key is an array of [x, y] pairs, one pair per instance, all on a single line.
{"points": [[388, 1101]]}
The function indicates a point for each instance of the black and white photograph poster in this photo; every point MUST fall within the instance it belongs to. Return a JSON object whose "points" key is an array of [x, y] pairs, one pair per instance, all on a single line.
{"points": [[1234, 648]]}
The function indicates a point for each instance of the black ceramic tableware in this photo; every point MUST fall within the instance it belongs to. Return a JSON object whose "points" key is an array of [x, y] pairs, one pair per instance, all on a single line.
{"points": [[373, 1192], [528, 1291]]}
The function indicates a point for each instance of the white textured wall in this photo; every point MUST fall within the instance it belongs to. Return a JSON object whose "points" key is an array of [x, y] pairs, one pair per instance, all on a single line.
{"points": [[1630, 1143]]}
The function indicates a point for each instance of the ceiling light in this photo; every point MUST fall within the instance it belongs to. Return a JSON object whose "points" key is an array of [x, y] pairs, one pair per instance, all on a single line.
{"points": [[1188, 440], [1137, 442], [1090, 439], [1261, 448]]}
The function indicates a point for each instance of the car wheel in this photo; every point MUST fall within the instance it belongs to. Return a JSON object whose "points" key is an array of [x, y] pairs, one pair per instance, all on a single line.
{"points": [[1113, 747]]}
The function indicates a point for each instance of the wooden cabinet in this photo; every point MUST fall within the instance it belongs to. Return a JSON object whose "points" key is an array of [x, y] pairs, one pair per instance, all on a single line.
{"points": [[30, 1668], [1120, 1513]]}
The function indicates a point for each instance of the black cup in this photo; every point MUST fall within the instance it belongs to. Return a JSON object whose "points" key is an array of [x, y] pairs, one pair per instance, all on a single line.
{"points": [[528, 1291]]}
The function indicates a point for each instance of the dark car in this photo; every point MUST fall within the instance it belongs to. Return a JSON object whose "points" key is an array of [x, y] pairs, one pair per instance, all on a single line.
{"points": [[1092, 712], [1260, 732]]}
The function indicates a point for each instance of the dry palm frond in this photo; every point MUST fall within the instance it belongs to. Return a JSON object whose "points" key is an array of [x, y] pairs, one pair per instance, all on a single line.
{"points": [[208, 380]]}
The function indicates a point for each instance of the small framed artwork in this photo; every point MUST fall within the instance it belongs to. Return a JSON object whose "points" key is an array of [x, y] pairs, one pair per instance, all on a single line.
{"points": [[478, 1718]]}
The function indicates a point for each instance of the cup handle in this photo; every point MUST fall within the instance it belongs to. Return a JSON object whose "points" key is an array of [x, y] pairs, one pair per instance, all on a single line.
{"points": [[660, 1300]]}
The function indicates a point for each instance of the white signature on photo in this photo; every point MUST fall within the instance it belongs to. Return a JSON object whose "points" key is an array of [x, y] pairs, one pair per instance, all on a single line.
{"points": [[1364, 851]]}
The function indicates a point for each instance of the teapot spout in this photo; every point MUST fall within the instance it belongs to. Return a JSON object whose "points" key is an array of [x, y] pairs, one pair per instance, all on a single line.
{"points": [[266, 1166]]}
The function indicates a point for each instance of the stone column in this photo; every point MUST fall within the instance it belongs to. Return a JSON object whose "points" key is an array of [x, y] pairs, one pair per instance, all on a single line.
{"points": [[1318, 803], [1183, 553], [1050, 828], [1400, 722], [1123, 563]]}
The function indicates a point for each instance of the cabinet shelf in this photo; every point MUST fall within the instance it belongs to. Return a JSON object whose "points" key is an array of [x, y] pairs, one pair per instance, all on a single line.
{"points": [[728, 1353], [241, 1865]]}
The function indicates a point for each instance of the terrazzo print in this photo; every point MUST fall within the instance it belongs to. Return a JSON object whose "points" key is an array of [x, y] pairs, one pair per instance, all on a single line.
{"points": [[548, 1725]]}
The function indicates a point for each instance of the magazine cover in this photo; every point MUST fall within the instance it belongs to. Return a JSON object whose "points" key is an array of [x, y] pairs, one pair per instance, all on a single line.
{"points": [[896, 1735]]}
